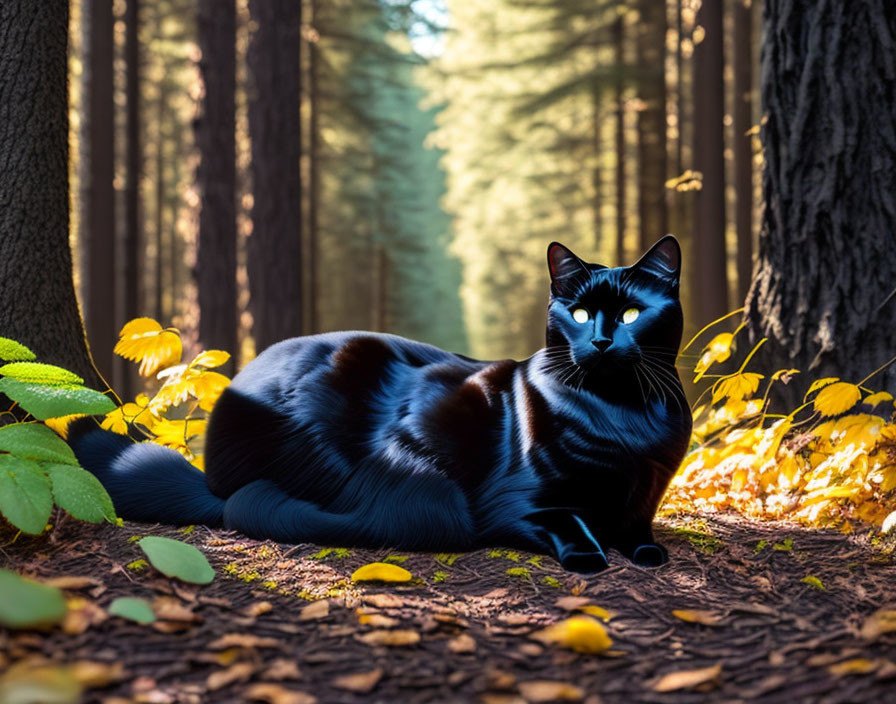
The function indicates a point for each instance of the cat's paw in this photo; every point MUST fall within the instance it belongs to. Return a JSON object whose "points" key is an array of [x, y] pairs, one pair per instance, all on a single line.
{"points": [[650, 555], [584, 562]]}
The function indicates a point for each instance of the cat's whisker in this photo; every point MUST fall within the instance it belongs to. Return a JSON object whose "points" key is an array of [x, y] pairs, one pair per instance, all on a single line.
{"points": [[671, 384], [660, 387], [640, 385]]}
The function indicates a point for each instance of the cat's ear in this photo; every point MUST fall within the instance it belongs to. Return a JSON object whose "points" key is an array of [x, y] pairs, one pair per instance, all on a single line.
{"points": [[564, 266], [663, 259]]}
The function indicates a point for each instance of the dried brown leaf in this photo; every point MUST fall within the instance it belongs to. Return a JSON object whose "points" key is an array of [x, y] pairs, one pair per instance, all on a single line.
{"points": [[81, 615], [283, 669], [168, 608], [384, 601], [855, 666], [462, 644], [72, 582], [706, 618], [243, 640], [571, 603], [277, 694], [880, 622], [315, 610], [91, 674], [686, 679], [391, 638], [257, 608], [240, 672], [550, 691], [360, 682]]}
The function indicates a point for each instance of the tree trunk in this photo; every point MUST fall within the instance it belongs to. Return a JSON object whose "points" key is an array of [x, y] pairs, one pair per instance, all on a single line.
{"points": [[743, 154], [653, 220], [159, 284], [98, 264], [313, 169], [216, 178], [823, 292], [274, 249], [131, 275], [709, 270], [37, 294], [619, 51]]}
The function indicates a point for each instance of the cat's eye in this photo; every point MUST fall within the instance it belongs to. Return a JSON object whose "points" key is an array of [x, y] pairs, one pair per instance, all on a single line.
{"points": [[580, 315], [630, 315]]}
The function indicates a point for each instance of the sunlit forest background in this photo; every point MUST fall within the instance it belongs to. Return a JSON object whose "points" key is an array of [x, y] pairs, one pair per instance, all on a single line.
{"points": [[402, 164]]}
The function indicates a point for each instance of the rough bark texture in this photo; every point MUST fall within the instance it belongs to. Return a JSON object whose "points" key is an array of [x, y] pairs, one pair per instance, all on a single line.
{"points": [[652, 123], [619, 51], [823, 292], [314, 169], [37, 295], [97, 234], [743, 154], [710, 283], [274, 249], [216, 177]]}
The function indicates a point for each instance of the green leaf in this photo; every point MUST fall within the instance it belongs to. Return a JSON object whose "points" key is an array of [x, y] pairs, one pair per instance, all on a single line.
{"points": [[176, 559], [25, 497], [13, 351], [814, 582], [38, 373], [44, 402], [34, 441], [28, 604], [80, 493], [786, 546], [133, 609]]}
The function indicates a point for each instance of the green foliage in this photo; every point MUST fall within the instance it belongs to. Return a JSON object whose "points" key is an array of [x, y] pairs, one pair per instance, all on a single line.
{"points": [[133, 609], [176, 559], [28, 604], [12, 351], [46, 401], [37, 467]]}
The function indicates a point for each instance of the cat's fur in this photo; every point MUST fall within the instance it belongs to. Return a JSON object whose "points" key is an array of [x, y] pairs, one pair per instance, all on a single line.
{"points": [[364, 439]]}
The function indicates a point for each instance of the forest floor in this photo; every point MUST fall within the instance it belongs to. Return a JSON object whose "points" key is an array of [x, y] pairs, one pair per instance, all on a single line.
{"points": [[285, 624]]}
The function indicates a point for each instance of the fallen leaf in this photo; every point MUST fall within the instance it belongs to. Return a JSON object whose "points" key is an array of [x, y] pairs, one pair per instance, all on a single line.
{"points": [[706, 618], [499, 679], [243, 640], [277, 694], [462, 644], [258, 608], [580, 633], [378, 620], [391, 638], [315, 610], [81, 615], [686, 679], [882, 621], [168, 608], [72, 582], [240, 672], [384, 601], [360, 682], [27, 681], [596, 611], [813, 582], [856, 666], [501, 698], [381, 572], [283, 669], [91, 674], [550, 691], [571, 603]]}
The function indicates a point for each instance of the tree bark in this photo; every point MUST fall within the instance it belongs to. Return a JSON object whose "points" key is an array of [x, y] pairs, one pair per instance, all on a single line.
{"points": [[274, 249], [313, 168], [709, 269], [98, 264], [743, 154], [216, 178], [619, 52], [823, 290], [653, 219], [37, 294]]}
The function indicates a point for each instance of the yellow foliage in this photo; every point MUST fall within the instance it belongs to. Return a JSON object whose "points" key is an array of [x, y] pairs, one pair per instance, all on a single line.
{"points": [[837, 398], [736, 386], [381, 572], [718, 350], [580, 633], [143, 340]]}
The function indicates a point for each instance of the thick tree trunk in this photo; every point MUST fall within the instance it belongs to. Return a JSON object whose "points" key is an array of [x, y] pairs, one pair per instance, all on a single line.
{"points": [[743, 154], [823, 291], [159, 285], [619, 55], [37, 294], [132, 242], [709, 268], [216, 177], [653, 220], [313, 169], [98, 264], [274, 254]]}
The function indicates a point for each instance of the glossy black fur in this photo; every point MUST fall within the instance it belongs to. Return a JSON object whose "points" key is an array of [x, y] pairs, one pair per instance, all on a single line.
{"points": [[363, 439]]}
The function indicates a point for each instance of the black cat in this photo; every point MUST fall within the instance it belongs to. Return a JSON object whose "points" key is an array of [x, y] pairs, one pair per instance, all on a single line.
{"points": [[370, 440]]}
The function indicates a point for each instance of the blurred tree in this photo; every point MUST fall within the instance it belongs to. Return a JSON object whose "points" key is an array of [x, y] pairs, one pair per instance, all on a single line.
{"points": [[97, 235], [314, 168], [651, 45], [275, 246], [709, 270], [216, 177], [37, 295], [619, 86], [823, 290], [743, 152]]}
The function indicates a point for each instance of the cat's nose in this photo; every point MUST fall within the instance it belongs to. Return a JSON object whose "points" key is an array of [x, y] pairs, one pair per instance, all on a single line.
{"points": [[602, 344]]}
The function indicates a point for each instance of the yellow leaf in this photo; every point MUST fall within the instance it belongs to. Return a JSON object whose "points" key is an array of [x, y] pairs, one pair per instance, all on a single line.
{"points": [[60, 424], [784, 372], [879, 397], [143, 340], [596, 611], [706, 618], [880, 622], [856, 666], [580, 633], [685, 679], [736, 386], [818, 383], [210, 359], [207, 387], [381, 572], [718, 350], [837, 398], [198, 462], [813, 581]]}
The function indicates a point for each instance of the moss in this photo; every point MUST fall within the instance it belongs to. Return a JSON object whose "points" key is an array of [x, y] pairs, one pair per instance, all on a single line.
{"points": [[396, 559], [697, 533], [138, 565], [438, 577], [519, 572], [552, 581], [447, 558]]}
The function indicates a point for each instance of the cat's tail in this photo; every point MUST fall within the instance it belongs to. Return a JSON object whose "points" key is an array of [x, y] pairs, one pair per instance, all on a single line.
{"points": [[147, 482]]}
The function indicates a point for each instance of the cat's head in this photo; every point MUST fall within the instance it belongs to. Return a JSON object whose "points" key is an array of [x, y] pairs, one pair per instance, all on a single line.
{"points": [[613, 318]]}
